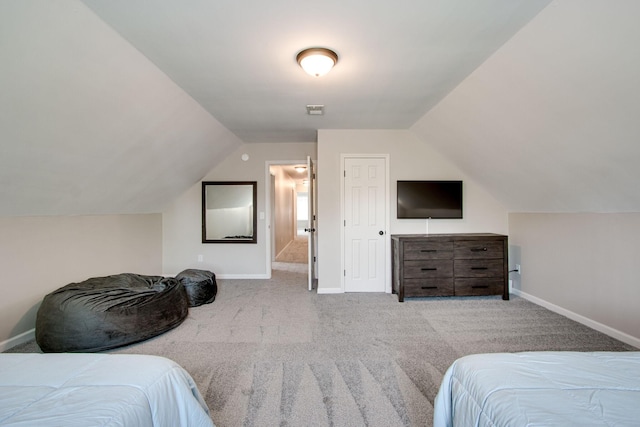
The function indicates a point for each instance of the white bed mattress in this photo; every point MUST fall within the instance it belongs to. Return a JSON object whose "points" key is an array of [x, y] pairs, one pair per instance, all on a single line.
{"points": [[541, 389], [97, 389]]}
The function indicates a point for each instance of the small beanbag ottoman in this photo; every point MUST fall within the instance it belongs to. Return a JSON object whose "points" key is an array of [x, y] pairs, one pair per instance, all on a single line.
{"points": [[200, 285], [107, 312]]}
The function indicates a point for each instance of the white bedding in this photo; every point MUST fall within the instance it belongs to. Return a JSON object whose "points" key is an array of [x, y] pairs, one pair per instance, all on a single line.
{"points": [[541, 389], [97, 389]]}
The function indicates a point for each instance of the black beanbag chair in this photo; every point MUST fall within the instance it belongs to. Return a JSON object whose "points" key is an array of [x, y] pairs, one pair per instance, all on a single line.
{"points": [[107, 312], [200, 285]]}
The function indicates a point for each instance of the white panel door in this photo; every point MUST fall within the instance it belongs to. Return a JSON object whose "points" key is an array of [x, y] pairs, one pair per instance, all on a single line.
{"points": [[365, 201]]}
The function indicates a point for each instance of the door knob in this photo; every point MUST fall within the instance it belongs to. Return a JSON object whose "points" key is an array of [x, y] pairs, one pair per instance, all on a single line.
{"points": [[381, 232]]}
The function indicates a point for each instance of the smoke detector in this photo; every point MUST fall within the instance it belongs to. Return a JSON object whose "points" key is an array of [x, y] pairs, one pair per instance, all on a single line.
{"points": [[315, 110]]}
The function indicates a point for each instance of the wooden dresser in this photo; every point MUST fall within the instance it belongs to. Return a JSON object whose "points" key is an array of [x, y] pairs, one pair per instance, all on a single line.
{"points": [[427, 265]]}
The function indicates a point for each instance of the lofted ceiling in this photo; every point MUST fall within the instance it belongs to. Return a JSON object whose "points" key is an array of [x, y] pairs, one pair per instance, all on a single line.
{"points": [[549, 123], [237, 58], [119, 106], [88, 125]]}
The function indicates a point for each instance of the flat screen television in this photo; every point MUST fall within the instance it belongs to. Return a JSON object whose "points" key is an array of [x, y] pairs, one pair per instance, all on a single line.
{"points": [[430, 199]]}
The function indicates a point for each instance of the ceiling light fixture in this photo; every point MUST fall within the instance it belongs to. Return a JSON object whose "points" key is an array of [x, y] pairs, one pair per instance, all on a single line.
{"points": [[317, 61], [300, 169]]}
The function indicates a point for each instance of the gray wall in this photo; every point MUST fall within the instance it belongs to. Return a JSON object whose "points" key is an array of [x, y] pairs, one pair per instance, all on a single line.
{"points": [[584, 266], [182, 243], [409, 158], [41, 254]]}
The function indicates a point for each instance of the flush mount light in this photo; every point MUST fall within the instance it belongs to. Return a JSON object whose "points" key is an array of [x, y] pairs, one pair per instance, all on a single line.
{"points": [[317, 61], [300, 169]]}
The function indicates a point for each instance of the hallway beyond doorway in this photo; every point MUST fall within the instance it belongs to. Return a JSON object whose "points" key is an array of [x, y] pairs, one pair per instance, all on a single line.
{"points": [[297, 251]]}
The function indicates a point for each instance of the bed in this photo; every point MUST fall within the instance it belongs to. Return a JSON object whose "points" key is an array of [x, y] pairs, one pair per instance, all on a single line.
{"points": [[97, 389], [541, 388]]}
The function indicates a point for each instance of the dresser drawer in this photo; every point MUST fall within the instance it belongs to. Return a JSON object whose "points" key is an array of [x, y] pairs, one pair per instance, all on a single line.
{"points": [[478, 249], [428, 288], [428, 268], [479, 268], [468, 287], [428, 250]]}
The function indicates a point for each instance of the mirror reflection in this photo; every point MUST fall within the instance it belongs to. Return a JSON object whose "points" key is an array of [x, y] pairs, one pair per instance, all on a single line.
{"points": [[229, 212]]}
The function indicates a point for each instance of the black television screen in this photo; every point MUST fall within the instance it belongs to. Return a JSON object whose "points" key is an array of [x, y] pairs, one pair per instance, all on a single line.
{"points": [[430, 199]]}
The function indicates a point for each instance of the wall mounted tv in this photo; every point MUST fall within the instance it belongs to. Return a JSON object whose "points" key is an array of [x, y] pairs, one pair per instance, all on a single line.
{"points": [[430, 199]]}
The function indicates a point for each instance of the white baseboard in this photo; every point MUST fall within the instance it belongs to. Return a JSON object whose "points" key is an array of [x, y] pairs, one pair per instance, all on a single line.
{"points": [[624, 337], [242, 276], [232, 276], [330, 291], [17, 340]]}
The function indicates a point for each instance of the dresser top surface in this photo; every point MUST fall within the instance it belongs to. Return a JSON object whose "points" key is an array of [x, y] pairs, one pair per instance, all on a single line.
{"points": [[452, 236]]}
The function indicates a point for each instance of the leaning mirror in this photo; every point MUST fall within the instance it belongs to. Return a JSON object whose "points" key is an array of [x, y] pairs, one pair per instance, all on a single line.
{"points": [[229, 212]]}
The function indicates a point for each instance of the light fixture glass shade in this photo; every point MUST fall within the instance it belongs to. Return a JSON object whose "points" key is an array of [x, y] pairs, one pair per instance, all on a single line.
{"points": [[317, 61], [300, 169]]}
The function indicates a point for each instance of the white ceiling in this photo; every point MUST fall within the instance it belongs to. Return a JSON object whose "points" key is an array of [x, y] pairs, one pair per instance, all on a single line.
{"points": [[550, 122], [237, 58], [88, 125], [119, 106]]}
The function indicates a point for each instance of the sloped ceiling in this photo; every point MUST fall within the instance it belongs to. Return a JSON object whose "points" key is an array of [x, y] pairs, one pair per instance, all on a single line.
{"points": [[237, 58], [113, 106], [550, 122], [88, 125]]}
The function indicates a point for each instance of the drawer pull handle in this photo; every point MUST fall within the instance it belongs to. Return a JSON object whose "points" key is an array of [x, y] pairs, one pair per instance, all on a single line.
{"points": [[479, 268], [480, 286], [428, 269], [428, 250], [429, 287], [478, 249]]}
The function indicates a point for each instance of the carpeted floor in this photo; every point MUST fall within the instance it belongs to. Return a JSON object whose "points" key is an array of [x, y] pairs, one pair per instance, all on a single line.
{"points": [[271, 353], [296, 251]]}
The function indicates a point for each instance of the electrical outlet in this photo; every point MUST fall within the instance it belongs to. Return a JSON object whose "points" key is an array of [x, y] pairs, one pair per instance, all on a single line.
{"points": [[518, 270], [200, 258]]}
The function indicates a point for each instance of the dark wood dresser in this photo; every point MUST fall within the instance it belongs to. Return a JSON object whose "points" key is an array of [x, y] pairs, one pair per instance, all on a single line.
{"points": [[427, 265]]}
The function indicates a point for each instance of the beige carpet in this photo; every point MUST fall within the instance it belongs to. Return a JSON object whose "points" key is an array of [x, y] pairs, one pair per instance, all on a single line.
{"points": [[271, 353], [297, 251]]}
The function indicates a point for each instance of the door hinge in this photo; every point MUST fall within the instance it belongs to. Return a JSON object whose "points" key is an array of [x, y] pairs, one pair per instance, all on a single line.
{"points": [[345, 273]]}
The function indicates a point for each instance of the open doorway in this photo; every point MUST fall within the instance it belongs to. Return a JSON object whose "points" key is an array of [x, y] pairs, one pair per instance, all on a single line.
{"points": [[289, 217]]}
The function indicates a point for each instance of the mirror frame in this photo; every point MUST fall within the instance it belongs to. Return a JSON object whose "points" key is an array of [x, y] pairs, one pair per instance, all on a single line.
{"points": [[254, 186]]}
